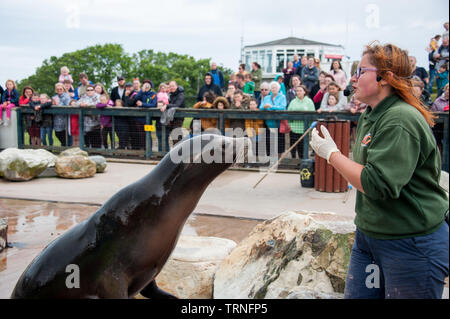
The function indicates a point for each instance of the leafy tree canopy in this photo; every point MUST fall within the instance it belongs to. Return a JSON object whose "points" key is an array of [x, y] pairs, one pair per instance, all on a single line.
{"points": [[102, 63]]}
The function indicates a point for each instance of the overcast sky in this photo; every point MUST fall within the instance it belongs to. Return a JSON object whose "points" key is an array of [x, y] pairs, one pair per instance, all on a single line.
{"points": [[36, 30]]}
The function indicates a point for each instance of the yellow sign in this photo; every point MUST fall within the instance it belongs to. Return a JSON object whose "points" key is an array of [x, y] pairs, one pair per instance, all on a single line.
{"points": [[305, 174], [149, 128]]}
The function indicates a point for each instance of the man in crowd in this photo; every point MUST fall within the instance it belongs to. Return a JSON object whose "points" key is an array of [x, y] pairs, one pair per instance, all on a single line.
{"points": [[310, 74], [208, 86], [418, 71], [178, 100], [296, 61], [303, 63], [81, 90], [217, 76], [117, 92]]}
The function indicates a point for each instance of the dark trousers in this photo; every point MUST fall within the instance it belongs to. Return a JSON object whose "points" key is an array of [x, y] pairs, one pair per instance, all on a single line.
{"points": [[93, 138], [406, 268], [122, 128], [293, 137], [61, 135], [105, 132]]}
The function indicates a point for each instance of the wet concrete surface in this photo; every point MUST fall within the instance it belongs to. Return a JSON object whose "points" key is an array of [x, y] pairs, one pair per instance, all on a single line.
{"points": [[32, 225]]}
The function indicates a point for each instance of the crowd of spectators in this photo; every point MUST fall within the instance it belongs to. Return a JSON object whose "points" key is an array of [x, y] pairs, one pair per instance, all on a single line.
{"points": [[302, 86]]}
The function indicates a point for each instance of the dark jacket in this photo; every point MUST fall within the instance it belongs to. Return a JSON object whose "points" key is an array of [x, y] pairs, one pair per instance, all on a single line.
{"points": [[310, 76], [177, 99], [148, 99], [115, 94], [43, 120], [205, 88], [12, 96], [1, 90], [129, 101]]}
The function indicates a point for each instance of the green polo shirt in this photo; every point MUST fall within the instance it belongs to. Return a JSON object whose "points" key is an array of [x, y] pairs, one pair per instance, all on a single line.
{"points": [[402, 168]]}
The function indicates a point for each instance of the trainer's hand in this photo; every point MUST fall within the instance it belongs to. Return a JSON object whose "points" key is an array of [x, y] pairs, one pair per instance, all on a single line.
{"points": [[323, 147]]}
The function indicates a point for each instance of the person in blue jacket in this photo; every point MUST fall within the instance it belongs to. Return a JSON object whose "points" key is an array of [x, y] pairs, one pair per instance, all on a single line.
{"points": [[275, 101], [146, 98]]}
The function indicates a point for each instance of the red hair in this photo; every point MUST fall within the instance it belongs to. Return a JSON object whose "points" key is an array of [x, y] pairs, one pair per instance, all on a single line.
{"points": [[390, 58]]}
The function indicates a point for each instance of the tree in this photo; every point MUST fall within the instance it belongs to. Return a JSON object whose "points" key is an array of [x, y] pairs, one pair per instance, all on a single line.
{"points": [[102, 63]]}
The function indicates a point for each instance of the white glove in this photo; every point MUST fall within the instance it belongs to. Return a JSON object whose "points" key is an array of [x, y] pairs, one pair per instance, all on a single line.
{"points": [[323, 147]]}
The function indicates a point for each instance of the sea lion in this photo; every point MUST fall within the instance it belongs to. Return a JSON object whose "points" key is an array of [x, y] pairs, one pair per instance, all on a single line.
{"points": [[120, 249]]}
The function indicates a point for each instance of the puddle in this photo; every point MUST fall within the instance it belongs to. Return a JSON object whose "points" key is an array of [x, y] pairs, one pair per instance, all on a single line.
{"points": [[32, 225]]}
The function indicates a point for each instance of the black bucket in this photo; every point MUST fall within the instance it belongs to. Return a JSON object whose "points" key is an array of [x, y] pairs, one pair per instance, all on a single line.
{"points": [[307, 173]]}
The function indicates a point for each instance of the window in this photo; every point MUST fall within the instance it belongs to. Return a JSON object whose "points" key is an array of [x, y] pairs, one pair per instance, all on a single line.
{"points": [[261, 59], [269, 61], [280, 60], [290, 55]]}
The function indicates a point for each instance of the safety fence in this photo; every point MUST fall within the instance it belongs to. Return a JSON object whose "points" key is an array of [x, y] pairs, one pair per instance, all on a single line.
{"points": [[135, 132]]}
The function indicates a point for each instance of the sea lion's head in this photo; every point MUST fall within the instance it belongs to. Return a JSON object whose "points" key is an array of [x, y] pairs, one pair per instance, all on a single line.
{"points": [[209, 154]]}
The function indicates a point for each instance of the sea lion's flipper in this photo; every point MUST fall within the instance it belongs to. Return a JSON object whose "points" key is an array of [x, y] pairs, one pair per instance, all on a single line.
{"points": [[152, 291]]}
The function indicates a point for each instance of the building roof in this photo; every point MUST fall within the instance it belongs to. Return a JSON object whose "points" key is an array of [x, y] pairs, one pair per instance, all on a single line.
{"points": [[292, 41]]}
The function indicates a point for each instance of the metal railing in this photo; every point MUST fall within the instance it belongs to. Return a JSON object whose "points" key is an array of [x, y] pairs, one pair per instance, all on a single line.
{"points": [[221, 115]]}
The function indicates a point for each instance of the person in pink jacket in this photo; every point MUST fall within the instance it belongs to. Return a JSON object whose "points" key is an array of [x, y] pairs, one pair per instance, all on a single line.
{"points": [[338, 73], [65, 76]]}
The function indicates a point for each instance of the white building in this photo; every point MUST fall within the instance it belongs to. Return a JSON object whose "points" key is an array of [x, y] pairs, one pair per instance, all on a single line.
{"points": [[274, 55]]}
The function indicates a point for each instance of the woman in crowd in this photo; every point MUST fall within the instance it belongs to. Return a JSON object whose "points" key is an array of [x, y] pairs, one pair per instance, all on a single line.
{"points": [[400, 206], [92, 125], [274, 102], [317, 99], [256, 74], [146, 98], [420, 92], [30, 124], [301, 102], [230, 92], [240, 101], [60, 121], [265, 90], [338, 73], [288, 72], [291, 93], [334, 89]]}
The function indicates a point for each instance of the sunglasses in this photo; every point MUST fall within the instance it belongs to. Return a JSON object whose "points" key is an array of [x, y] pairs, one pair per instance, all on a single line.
{"points": [[90, 90]]}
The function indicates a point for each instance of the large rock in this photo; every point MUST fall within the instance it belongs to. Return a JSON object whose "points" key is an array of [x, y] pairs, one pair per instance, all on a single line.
{"points": [[189, 272], [100, 162], [73, 151], [23, 165], [76, 166], [283, 256], [3, 233]]}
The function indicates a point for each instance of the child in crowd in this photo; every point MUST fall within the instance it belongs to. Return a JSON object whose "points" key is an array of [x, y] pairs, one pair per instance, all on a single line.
{"points": [[434, 43], [45, 120], [74, 125], [69, 89], [105, 121], [254, 128], [10, 99], [442, 78], [119, 103], [162, 95], [65, 76], [249, 87], [32, 121], [332, 102]]}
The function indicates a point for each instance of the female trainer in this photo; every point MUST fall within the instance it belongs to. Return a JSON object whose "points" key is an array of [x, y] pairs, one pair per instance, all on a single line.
{"points": [[401, 247]]}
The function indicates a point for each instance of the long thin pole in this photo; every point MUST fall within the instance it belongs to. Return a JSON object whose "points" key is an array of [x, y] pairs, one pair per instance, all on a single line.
{"points": [[313, 125]]}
